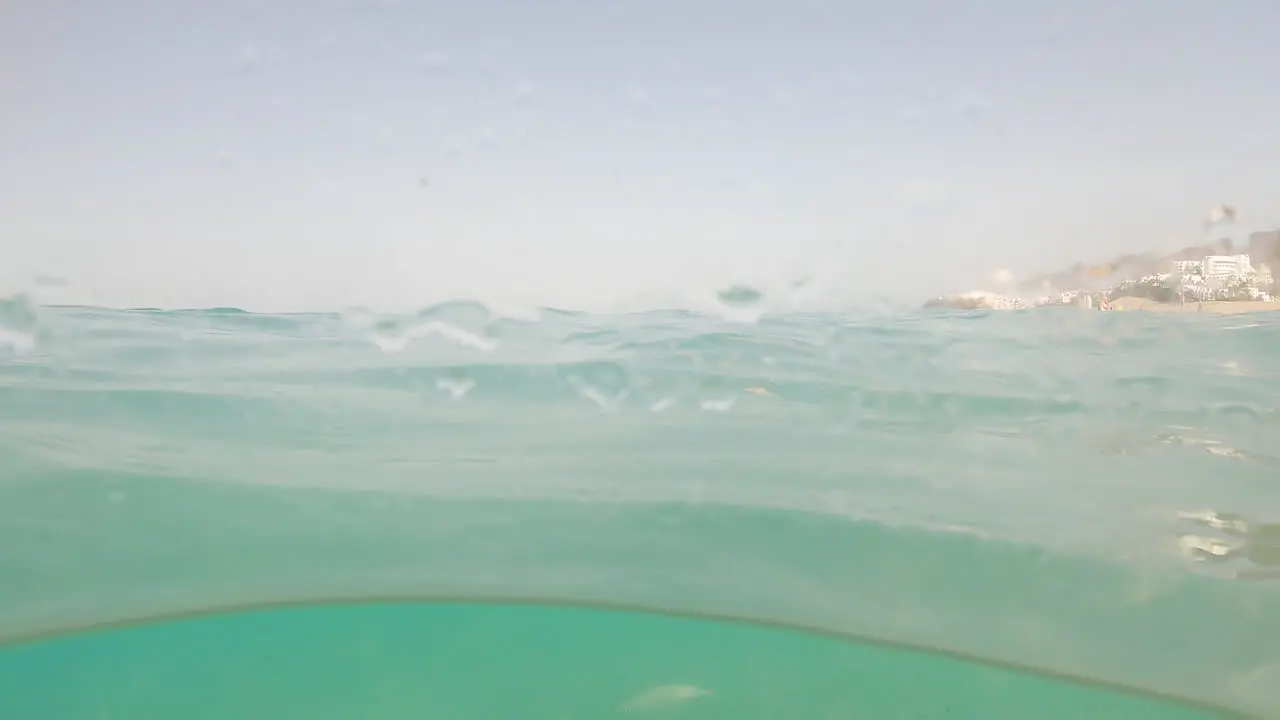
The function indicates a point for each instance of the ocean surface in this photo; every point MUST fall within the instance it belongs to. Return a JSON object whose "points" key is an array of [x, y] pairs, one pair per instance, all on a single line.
{"points": [[455, 514]]}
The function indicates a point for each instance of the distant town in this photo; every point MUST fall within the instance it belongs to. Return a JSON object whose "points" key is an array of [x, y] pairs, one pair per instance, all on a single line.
{"points": [[1209, 273]]}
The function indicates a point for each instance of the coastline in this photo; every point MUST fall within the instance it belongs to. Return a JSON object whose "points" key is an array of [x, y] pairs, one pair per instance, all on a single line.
{"points": [[1215, 307], [993, 301]]}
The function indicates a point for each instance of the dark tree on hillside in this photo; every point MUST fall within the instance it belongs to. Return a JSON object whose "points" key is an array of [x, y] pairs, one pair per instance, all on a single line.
{"points": [[1150, 288]]}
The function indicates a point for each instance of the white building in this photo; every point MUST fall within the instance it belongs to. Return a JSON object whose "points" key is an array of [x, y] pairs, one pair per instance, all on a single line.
{"points": [[1187, 267], [1227, 265]]}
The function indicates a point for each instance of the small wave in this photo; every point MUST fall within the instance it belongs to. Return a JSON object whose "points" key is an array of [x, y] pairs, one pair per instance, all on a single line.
{"points": [[1000, 484]]}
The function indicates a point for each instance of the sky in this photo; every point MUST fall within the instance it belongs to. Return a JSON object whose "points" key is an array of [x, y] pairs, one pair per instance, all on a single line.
{"points": [[615, 154]]}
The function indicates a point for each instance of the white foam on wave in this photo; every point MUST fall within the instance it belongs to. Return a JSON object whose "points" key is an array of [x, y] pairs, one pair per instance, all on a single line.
{"points": [[398, 342], [457, 389], [16, 342]]}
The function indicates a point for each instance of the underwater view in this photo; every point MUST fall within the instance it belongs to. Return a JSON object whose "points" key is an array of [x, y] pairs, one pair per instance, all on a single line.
{"points": [[459, 514], [518, 661]]}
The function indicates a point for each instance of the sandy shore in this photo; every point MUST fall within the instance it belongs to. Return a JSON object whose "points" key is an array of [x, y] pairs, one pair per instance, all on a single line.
{"points": [[1216, 307]]}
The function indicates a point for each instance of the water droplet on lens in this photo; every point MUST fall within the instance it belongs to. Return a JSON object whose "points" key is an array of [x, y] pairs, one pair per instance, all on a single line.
{"points": [[740, 296]]}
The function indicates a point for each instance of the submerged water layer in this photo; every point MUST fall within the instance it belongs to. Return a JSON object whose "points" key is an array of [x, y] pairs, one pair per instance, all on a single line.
{"points": [[1091, 495], [438, 661]]}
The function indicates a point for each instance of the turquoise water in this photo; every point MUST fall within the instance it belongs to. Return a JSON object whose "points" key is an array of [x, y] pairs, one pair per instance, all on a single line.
{"points": [[504, 661], [1051, 491]]}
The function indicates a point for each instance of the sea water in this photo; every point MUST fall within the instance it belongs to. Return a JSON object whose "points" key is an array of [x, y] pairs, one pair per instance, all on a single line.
{"points": [[455, 514], [471, 660]]}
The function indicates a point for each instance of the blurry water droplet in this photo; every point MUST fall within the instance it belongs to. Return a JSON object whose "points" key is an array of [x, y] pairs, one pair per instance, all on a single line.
{"points": [[740, 296], [972, 108], [434, 62], [911, 114], [783, 99], [741, 304], [484, 137], [249, 59], [384, 136], [487, 69], [454, 147]]}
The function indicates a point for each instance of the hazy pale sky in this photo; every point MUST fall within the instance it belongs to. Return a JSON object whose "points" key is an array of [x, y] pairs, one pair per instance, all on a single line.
{"points": [[615, 153]]}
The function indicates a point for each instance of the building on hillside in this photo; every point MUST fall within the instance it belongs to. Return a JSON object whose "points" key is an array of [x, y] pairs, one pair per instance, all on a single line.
{"points": [[1265, 277], [1226, 266], [1188, 267]]}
